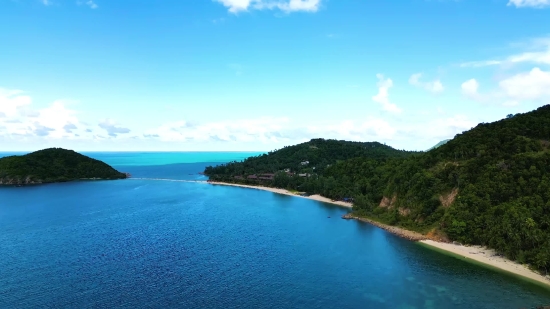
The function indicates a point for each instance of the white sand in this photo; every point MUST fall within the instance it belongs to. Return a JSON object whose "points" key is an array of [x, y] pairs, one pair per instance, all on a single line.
{"points": [[488, 257], [286, 192]]}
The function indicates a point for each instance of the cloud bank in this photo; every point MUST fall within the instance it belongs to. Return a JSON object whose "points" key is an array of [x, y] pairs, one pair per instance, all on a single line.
{"points": [[236, 6]]}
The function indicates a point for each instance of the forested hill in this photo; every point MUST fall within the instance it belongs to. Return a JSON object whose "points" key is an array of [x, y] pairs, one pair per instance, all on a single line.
{"points": [[312, 157], [53, 165], [488, 186]]}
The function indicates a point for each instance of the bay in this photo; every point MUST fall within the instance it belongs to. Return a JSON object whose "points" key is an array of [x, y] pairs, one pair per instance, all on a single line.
{"points": [[153, 243]]}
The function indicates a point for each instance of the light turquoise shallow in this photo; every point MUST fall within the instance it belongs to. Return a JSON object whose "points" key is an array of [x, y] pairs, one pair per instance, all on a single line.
{"points": [[157, 244]]}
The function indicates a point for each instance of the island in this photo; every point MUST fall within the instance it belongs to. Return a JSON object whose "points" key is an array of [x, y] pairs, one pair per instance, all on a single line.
{"points": [[487, 187], [54, 165]]}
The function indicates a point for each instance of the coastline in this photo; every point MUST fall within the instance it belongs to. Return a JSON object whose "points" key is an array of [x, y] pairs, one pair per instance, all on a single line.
{"points": [[401, 232], [478, 254], [487, 257], [316, 197]]}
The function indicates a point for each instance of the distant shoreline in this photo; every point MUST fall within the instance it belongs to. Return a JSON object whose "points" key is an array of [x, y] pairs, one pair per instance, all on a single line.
{"points": [[470, 253], [316, 197]]}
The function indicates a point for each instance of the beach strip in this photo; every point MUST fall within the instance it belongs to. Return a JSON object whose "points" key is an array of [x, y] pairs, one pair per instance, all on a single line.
{"points": [[316, 197], [488, 257]]}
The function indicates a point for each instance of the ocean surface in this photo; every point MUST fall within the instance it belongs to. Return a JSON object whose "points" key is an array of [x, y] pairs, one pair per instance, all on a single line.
{"points": [[139, 243]]}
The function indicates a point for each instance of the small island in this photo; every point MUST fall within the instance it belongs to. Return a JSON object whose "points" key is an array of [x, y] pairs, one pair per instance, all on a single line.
{"points": [[54, 165]]}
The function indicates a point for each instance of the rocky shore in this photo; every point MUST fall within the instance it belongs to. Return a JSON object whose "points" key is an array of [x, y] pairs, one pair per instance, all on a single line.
{"points": [[410, 235], [18, 181]]}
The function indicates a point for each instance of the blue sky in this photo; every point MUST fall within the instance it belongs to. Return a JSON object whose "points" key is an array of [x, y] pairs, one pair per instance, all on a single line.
{"points": [[262, 74]]}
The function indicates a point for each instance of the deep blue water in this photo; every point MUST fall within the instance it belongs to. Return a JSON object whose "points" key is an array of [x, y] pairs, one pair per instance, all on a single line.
{"points": [[156, 244]]}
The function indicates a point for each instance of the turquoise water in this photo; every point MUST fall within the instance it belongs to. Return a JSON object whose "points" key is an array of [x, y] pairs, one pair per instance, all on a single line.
{"points": [[163, 158], [155, 244]]}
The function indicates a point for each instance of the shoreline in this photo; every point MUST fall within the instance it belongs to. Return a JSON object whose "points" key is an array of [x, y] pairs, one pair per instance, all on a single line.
{"points": [[400, 232], [488, 258], [315, 197], [481, 255]]}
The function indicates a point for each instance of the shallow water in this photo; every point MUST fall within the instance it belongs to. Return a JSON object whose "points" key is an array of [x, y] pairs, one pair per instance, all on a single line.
{"points": [[142, 243]]}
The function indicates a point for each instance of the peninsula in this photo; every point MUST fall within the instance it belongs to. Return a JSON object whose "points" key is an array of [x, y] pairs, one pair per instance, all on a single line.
{"points": [[487, 187], [54, 165]]}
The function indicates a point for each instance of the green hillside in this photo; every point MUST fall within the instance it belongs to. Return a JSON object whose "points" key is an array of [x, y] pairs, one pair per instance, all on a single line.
{"points": [[311, 158], [53, 165], [488, 186]]}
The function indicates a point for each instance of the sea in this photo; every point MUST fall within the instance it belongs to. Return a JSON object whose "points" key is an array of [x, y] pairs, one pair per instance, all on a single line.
{"points": [[160, 241]]}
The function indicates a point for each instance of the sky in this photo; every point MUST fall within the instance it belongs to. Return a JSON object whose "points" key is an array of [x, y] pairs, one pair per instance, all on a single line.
{"points": [[257, 75]]}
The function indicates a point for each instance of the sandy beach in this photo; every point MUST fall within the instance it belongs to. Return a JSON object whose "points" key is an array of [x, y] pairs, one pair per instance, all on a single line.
{"points": [[286, 192], [474, 253], [488, 257]]}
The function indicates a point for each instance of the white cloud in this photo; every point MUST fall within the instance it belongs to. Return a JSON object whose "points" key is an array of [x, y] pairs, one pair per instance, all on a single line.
{"points": [[470, 89], [442, 128], [112, 128], [26, 111], [46, 2], [271, 131], [21, 119], [528, 86], [56, 116], [532, 85], [529, 3], [11, 101], [58, 125], [40, 130], [69, 127], [89, 3], [434, 86], [536, 51], [478, 64], [382, 96], [288, 6], [244, 130], [235, 5], [367, 130]]}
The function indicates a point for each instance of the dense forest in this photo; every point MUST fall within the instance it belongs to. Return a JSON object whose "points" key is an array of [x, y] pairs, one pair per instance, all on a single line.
{"points": [[53, 165], [487, 186], [319, 154]]}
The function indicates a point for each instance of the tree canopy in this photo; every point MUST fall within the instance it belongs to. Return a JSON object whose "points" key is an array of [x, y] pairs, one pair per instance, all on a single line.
{"points": [[53, 165]]}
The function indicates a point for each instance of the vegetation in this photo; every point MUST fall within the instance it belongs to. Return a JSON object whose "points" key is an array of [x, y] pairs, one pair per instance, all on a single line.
{"points": [[53, 165], [311, 157], [488, 186]]}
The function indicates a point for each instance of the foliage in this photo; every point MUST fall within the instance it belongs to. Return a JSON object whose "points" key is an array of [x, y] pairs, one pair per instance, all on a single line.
{"points": [[488, 186], [319, 154], [54, 165]]}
